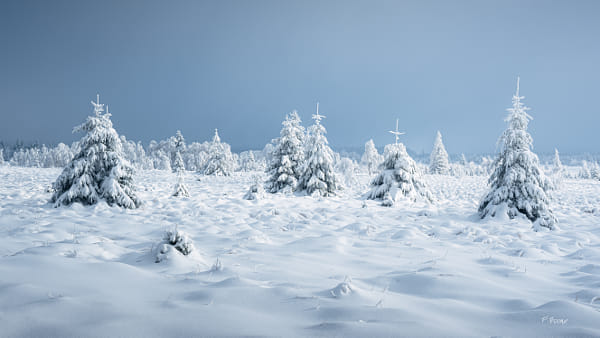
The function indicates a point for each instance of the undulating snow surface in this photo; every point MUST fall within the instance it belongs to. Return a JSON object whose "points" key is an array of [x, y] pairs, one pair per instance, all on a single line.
{"points": [[293, 266]]}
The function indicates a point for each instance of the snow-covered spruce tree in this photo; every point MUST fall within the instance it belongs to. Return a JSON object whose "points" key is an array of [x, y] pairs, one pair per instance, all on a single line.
{"points": [[98, 170], [220, 160], [584, 172], [317, 172], [557, 168], [371, 158], [286, 159], [595, 171], [178, 148], [517, 184], [438, 160], [399, 177], [181, 189]]}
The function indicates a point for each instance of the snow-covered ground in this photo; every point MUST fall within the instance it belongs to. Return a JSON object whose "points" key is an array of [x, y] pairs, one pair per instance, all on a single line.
{"points": [[294, 266]]}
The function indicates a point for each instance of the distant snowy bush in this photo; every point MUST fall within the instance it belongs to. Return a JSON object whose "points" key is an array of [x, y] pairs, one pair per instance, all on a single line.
{"points": [[371, 159], [247, 162], [347, 170], [43, 157]]}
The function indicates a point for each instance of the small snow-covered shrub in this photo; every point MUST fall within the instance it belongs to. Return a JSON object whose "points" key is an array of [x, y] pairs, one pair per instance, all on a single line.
{"points": [[255, 192], [180, 241], [217, 266], [176, 239]]}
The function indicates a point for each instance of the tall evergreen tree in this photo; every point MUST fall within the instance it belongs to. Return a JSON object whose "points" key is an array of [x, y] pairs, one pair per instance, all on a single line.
{"points": [[287, 157], [517, 184], [98, 170], [220, 160], [438, 160], [317, 172]]}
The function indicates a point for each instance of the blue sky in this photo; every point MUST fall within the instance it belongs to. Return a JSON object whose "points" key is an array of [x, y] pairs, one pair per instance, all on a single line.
{"points": [[240, 66]]}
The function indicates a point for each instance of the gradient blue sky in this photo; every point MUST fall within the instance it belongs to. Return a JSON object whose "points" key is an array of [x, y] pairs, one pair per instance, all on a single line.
{"points": [[240, 66]]}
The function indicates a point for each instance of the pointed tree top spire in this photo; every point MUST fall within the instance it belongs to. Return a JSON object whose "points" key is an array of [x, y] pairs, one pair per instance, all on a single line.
{"points": [[396, 132], [518, 80], [317, 117], [98, 108], [216, 138]]}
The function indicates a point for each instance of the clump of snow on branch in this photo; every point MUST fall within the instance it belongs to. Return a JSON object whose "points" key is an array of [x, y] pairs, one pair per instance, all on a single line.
{"points": [[99, 169], [517, 184]]}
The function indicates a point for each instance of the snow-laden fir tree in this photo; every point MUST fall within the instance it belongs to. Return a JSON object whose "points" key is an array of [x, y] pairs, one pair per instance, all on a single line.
{"points": [[584, 172], [179, 167], [438, 160], [371, 158], [517, 183], [399, 176], [98, 170], [595, 171], [220, 160], [557, 167], [177, 163], [285, 166], [181, 189], [318, 176]]}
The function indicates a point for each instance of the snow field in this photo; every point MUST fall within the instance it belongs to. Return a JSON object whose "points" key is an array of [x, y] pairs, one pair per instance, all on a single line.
{"points": [[294, 266]]}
